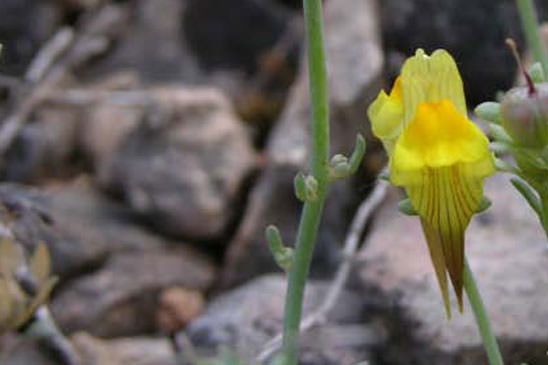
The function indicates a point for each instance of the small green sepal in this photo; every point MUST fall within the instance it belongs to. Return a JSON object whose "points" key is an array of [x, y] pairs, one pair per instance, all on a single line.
{"points": [[503, 166], [536, 73], [306, 188], [282, 255], [529, 195], [484, 204], [341, 167], [406, 208], [488, 111], [499, 134]]}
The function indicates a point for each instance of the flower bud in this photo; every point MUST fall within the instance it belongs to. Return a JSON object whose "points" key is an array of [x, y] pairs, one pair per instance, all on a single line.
{"points": [[524, 115]]}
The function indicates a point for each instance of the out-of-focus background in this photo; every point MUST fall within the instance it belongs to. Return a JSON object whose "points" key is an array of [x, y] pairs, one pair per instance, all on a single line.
{"points": [[149, 143]]}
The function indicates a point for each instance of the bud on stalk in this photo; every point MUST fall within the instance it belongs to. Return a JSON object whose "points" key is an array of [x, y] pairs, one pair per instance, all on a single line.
{"points": [[524, 115]]}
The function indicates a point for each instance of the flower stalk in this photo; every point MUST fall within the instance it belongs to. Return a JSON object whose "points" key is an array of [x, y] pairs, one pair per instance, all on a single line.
{"points": [[312, 189], [319, 168], [482, 319]]}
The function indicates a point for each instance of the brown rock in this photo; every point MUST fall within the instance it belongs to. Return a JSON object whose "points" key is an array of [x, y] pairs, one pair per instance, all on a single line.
{"points": [[80, 226], [133, 350], [245, 318], [45, 147], [507, 252], [121, 298], [183, 167], [106, 126]]}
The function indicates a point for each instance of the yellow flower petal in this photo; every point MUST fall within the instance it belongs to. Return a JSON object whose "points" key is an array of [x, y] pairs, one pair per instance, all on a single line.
{"points": [[386, 116], [446, 200], [438, 136], [441, 159], [430, 79]]}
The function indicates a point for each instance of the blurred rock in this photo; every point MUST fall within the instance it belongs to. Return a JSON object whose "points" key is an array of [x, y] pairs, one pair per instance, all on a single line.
{"points": [[183, 168], [76, 5], [20, 350], [208, 42], [83, 229], [80, 226], [94, 351], [121, 298], [24, 26], [354, 63], [474, 32], [116, 268], [218, 32], [106, 126], [152, 25], [245, 318], [45, 147], [507, 253], [121, 351]]}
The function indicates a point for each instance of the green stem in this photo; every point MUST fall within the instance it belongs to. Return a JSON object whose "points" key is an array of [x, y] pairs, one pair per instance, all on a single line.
{"points": [[544, 211], [310, 216], [529, 24], [482, 320]]}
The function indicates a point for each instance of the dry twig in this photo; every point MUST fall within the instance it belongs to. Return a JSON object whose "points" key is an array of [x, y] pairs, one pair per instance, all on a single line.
{"points": [[48, 54], [320, 315], [57, 58]]}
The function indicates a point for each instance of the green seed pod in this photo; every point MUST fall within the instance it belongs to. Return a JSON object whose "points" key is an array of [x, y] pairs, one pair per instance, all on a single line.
{"points": [[524, 115]]}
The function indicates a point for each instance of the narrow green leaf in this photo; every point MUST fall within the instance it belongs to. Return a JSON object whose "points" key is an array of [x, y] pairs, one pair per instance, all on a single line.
{"points": [[357, 155], [528, 194]]}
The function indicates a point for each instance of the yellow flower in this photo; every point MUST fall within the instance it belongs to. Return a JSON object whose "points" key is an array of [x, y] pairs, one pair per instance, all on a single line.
{"points": [[438, 155]]}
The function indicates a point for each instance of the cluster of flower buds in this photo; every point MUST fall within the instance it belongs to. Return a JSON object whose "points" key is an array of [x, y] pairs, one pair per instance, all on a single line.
{"points": [[519, 127], [524, 115]]}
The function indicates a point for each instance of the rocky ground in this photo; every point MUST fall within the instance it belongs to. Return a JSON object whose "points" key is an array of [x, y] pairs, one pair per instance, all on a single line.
{"points": [[149, 144]]}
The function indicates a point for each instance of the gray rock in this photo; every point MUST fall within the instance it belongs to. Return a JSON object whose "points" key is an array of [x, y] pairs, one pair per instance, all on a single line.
{"points": [[20, 350], [131, 350], [184, 166], [80, 227], [354, 64], [120, 299], [507, 253], [94, 351], [45, 147], [111, 269], [151, 23], [106, 127], [245, 318]]}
